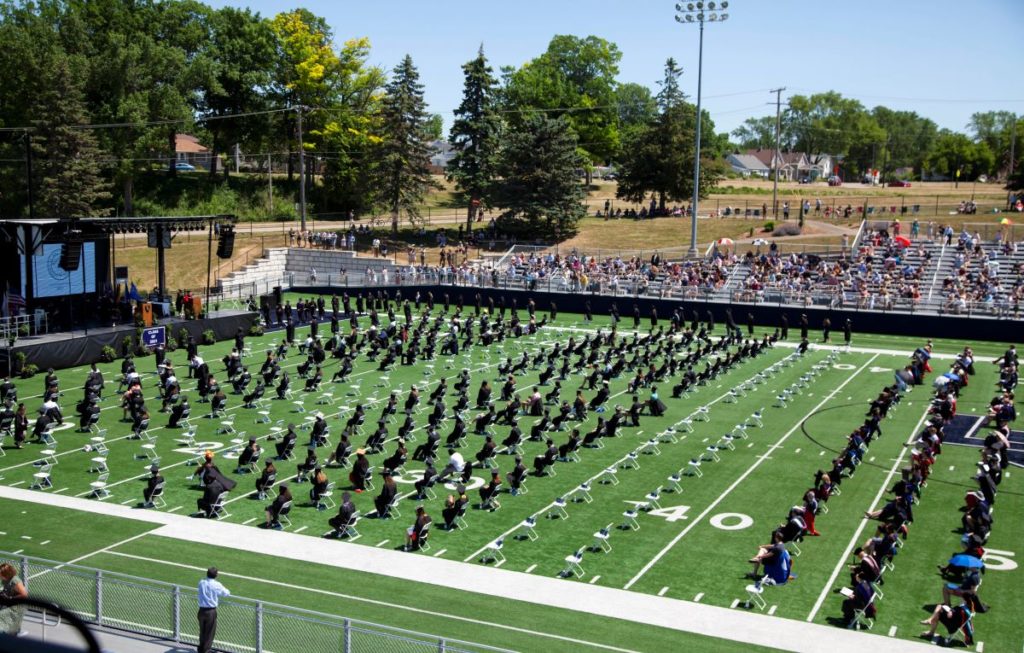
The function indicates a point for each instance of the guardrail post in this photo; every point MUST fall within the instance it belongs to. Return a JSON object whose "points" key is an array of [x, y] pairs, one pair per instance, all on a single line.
{"points": [[441, 648], [346, 639], [176, 614], [24, 571], [99, 598], [259, 626]]}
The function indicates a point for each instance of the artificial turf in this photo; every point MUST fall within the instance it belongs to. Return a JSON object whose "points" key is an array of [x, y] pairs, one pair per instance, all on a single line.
{"points": [[756, 483]]}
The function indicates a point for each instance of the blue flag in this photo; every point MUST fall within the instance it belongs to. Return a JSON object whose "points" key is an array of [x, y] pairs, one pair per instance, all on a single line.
{"points": [[134, 295]]}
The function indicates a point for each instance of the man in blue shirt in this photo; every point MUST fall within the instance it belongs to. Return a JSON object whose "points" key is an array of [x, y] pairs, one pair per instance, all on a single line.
{"points": [[210, 592]]}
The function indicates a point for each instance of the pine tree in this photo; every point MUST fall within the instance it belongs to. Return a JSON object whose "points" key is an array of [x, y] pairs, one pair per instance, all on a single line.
{"points": [[658, 158], [670, 96], [540, 187], [474, 136], [404, 155], [67, 159]]}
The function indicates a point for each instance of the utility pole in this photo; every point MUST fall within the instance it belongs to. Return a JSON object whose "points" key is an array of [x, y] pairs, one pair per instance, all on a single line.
{"points": [[1013, 144], [28, 172], [302, 175], [778, 155], [270, 186]]}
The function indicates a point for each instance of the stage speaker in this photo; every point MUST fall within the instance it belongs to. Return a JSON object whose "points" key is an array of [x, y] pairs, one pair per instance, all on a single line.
{"points": [[70, 255], [267, 303], [277, 296], [226, 244]]}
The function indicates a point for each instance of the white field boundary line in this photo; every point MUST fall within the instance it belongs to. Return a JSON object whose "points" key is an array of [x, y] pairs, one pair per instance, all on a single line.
{"points": [[384, 604], [89, 555], [596, 476], [742, 477], [864, 521]]}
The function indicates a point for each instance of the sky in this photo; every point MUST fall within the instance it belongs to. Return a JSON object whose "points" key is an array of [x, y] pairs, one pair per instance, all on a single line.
{"points": [[945, 60]]}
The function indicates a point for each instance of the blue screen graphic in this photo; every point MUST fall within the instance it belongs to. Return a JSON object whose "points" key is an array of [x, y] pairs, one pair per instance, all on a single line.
{"points": [[51, 281]]}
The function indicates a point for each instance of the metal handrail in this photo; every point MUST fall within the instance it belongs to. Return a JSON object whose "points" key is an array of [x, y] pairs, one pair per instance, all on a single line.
{"points": [[257, 609]]}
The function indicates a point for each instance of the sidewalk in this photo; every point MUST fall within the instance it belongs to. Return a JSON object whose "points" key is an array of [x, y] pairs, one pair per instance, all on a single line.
{"points": [[112, 641]]}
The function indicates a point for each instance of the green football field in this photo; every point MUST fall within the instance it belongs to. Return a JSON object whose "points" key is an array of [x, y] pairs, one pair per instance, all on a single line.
{"points": [[691, 545]]}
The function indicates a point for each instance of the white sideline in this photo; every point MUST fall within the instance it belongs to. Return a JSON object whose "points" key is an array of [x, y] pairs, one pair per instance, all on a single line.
{"points": [[742, 477], [675, 614], [864, 521]]}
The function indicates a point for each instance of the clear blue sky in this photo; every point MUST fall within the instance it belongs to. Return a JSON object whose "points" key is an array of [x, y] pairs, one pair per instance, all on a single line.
{"points": [[943, 59]]}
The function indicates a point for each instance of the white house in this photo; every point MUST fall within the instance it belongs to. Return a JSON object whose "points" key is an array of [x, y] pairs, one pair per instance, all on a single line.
{"points": [[441, 152], [748, 165]]}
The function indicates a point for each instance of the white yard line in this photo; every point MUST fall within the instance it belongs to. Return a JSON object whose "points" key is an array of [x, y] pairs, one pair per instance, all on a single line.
{"points": [[863, 522], [740, 480]]}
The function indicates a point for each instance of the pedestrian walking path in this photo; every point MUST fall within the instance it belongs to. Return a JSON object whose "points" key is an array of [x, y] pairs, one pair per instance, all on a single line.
{"points": [[686, 616]]}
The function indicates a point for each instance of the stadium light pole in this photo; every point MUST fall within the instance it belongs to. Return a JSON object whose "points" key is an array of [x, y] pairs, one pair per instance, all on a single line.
{"points": [[699, 12]]}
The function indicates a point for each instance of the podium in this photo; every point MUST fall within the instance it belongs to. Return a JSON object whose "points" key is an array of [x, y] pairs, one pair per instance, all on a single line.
{"points": [[197, 307], [144, 311]]}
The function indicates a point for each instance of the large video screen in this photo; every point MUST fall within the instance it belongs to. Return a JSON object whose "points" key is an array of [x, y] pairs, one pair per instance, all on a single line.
{"points": [[51, 281]]}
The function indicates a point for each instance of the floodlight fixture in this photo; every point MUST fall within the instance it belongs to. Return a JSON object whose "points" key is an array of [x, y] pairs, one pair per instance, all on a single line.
{"points": [[695, 14]]}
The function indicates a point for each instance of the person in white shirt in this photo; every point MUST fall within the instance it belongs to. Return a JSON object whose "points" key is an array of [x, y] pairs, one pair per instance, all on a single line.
{"points": [[456, 463], [210, 593]]}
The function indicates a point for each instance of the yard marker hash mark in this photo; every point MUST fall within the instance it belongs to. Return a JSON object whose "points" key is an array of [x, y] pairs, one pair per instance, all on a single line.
{"points": [[697, 598], [772, 610], [530, 568], [594, 579], [440, 553], [892, 631], [662, 591]]}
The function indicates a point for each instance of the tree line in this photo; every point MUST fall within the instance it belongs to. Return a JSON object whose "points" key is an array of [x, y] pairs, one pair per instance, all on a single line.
{"points": [[103, 87], [887, 140]]}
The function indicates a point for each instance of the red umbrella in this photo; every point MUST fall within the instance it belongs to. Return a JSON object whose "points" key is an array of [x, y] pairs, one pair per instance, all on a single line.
{"points": [[902, 241]]}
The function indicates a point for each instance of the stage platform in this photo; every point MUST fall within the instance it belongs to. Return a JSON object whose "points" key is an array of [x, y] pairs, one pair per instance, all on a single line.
{"points": [[71, 348]]}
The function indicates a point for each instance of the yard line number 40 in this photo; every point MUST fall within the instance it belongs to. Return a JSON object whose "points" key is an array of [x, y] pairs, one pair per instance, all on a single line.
{"points": [[726, 521]]}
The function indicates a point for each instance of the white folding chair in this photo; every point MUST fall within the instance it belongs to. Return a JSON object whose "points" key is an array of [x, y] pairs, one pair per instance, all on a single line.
{"points": [[42, 481], [528, 529], [601, 540], [99, 487], [492, 552], [573, 566], [557, 509]]}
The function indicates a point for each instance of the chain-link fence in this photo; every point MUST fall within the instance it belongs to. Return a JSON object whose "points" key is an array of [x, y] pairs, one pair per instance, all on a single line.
{"points": [[167, 611]]}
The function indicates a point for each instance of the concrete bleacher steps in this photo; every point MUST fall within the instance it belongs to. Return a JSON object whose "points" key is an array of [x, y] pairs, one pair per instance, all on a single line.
{"points": [[292, 266]]}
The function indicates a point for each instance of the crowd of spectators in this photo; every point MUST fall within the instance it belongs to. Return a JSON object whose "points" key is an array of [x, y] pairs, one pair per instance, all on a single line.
{"points": [[975, 278]]}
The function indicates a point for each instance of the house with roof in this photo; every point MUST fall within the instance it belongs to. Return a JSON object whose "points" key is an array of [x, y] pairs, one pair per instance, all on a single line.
{"points": [[748, 165], [188, 149], [441, 152]]}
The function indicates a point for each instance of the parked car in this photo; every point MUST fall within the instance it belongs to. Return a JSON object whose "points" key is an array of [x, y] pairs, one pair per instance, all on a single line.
{"points": [[834, 180], [899, 183], [183, 166], [805, 180]]}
